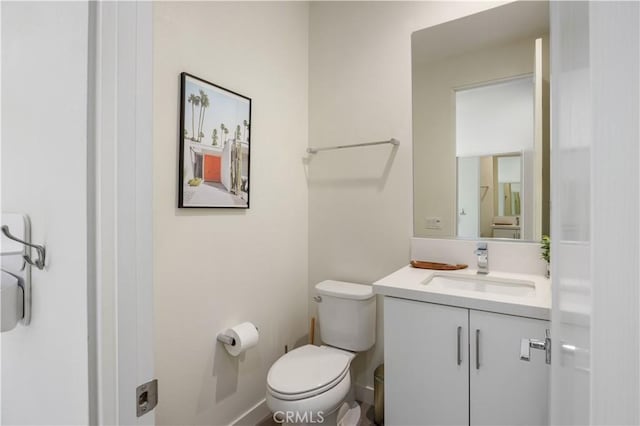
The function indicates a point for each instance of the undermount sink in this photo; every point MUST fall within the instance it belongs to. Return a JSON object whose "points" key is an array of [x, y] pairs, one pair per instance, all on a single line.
{"points": [[481, 284]]}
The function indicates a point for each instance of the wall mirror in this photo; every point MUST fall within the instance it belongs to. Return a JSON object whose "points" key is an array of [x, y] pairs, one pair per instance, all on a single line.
{"points": [[481, 142]]}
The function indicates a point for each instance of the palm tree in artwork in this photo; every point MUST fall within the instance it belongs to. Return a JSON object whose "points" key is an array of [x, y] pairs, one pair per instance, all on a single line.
{"points": [[204, 104], [214, 137], [238, 133], [245, 123], [194, 101], [223, 132]]}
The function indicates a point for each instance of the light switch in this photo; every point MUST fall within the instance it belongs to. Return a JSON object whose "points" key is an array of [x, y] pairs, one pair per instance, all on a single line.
{"points": [[433, 223]]}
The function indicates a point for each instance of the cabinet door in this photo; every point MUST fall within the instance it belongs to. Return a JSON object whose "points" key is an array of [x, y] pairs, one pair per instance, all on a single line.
{"points": [[426, 355], [504, 389]]}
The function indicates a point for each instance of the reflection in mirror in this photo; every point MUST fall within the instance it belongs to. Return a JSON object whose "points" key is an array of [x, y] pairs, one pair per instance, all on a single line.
{"points": [[490, 196], [481, 125], [492, 120]]}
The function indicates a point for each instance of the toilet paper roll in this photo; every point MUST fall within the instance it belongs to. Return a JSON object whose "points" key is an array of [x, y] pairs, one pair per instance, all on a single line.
{"points": [[245, 336]]}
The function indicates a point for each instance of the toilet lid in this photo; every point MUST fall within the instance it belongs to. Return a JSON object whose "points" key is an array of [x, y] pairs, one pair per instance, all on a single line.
{"points": [[307, 369]]}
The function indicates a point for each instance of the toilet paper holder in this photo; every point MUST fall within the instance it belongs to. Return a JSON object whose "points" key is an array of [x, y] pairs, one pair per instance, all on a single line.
{"points": [[226, 339]]}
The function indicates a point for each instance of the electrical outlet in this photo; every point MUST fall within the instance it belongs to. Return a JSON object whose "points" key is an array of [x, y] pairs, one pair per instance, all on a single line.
{"points": [[433, 223]]}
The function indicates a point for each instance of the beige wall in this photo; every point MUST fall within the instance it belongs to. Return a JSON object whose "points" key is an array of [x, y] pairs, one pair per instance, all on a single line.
{"points": [[360, 200], [216, 268], [434, 124]]}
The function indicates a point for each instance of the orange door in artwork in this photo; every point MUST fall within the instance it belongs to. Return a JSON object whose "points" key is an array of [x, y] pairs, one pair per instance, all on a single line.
{"points": [[211, 168]]}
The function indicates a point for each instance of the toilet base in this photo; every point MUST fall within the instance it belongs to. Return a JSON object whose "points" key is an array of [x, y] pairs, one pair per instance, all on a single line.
{"points": [[348, 413]]}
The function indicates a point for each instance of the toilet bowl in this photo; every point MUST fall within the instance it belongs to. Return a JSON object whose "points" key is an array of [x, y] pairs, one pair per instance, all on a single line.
{"points": [[309, 384], [312, 384]]}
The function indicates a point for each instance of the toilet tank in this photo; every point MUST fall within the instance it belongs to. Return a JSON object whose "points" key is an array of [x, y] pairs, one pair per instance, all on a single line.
{"points": [[346, 315]]}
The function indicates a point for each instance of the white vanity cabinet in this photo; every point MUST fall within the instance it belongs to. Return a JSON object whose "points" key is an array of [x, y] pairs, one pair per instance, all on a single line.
{"points": [[503, 389], [447, 365], [426, 377]]}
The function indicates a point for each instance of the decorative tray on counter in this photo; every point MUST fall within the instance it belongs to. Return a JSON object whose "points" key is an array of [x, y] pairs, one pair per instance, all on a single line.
{"points": [[436, 265]]}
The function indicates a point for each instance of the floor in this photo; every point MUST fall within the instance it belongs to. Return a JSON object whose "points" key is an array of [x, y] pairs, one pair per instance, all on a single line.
{"points": [[365, 420]]}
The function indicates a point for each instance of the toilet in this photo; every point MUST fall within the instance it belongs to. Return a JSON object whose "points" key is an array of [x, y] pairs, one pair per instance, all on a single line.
{"points": [[312, 384]]}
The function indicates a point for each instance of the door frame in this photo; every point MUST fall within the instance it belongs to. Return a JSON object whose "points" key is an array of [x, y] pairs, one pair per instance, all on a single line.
{"points": [[120, 209]]}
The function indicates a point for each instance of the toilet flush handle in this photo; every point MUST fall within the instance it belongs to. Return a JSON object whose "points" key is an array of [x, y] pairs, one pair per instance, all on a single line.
{"points": [[317, 299]]}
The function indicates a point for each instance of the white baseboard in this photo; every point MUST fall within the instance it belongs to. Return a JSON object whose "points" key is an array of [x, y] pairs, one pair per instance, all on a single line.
{"points": [[254, 415], [364, 393]]}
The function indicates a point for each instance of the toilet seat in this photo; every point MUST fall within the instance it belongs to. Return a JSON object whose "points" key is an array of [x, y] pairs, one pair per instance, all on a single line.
{"points": [[307, 371], [326, 403]]}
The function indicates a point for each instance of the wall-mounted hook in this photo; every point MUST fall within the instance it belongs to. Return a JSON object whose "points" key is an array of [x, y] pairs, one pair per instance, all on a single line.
{"points": [[42, 252]]}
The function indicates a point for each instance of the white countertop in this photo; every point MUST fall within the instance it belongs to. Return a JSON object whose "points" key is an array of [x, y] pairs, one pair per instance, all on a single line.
{"points": [[408, 283]]}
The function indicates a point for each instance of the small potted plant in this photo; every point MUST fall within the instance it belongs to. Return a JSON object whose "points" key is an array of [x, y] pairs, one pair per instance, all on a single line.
{"points": [[546, 252]]}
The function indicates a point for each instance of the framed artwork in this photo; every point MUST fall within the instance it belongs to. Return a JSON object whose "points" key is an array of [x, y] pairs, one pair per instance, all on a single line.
{"points": [[215, 148]]}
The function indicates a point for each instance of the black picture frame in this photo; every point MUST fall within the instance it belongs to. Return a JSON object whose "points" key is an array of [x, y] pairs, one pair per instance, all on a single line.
{"points": [[214, 169]]}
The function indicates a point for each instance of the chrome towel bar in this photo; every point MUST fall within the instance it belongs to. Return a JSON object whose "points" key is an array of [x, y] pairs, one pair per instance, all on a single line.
{"points": [[391, 141]]}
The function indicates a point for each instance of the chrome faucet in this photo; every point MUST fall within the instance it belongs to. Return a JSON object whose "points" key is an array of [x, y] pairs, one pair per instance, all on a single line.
{"points": [[483, 258]]}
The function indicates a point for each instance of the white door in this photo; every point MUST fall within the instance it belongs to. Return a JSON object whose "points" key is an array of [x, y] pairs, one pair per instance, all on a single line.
{"points": [[504, 389], [45, 365], [595, 229], [426, 363], [76, 158], [468, 197]]}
